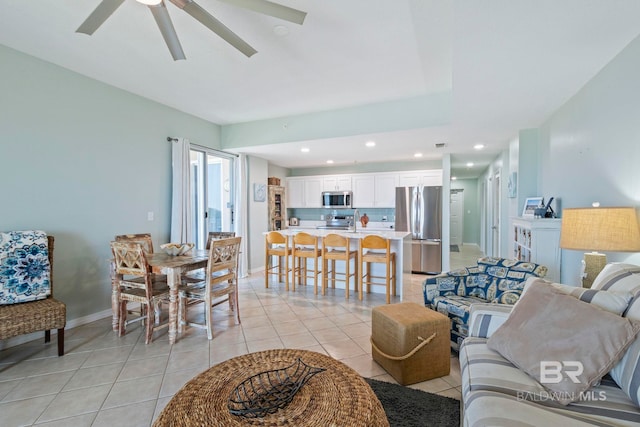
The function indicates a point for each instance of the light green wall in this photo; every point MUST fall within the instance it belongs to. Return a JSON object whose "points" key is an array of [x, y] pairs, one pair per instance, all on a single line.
{"points": [[590, 147], [85, 161], [408, 113], [368, 167], [258, 214], [471, 231]]}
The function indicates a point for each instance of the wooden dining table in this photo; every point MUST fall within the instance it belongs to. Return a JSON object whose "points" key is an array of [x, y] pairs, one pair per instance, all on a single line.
{"points": [[174, 267]]}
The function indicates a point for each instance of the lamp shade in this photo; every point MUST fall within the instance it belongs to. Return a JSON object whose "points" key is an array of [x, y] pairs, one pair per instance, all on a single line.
{"points": [[600, 229]]}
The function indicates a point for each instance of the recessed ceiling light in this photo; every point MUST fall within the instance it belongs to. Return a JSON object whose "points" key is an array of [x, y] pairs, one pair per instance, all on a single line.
{"points": [[470, 164], [280, 30], [417, 155], [478, 146], [150, 2], [453, 178], [329, 161], [370, 144], [305, 150]]}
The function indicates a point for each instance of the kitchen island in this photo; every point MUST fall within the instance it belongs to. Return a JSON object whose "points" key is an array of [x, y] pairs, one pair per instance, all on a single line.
{"points": [[400, 244]]}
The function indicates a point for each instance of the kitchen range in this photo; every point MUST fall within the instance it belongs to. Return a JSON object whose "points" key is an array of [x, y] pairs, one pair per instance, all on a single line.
{"points": [[337, 222]]}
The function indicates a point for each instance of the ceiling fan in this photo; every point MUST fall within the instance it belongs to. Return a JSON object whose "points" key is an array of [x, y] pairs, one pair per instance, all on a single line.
{"points": [[161, 15]]}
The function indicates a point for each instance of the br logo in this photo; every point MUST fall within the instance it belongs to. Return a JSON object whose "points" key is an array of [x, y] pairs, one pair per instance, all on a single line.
{"points": [[553, 371]]}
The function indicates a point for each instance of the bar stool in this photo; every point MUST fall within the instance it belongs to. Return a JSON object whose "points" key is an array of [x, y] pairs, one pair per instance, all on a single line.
{"points": [[276, 244], [305, 246], [375, 248], [336, 248]]}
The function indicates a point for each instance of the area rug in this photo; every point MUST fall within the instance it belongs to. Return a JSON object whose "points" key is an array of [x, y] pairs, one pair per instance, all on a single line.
{"points": [[407, 407], [454, 248]]}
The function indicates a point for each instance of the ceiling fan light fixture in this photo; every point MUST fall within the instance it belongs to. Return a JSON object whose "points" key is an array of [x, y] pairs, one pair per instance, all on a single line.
{"points": [[281, 30], [150, 2]]}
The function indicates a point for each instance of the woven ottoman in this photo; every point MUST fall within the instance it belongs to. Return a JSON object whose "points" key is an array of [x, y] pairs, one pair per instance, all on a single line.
{"points": [[411, 342]]}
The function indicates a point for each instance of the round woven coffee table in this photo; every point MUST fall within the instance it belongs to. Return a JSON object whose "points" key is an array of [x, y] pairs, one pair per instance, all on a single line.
{"points": [[335, 397]]}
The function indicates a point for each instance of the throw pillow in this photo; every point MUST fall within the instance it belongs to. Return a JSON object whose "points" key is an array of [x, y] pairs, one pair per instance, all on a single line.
{"points": [[626, 373], [562, 342], [613, 302], [25, 274], [618, 277]]}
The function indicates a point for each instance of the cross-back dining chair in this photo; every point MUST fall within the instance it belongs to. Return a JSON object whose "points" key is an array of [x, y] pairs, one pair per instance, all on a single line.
{"points": [[136, 283], [213, 235], [143, 238], [220, 284]]}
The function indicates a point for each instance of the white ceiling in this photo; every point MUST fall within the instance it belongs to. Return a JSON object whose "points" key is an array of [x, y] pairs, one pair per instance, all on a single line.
{"points": [[506, 64]]}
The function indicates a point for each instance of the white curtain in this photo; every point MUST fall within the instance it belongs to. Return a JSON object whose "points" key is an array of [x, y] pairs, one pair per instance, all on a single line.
{"points": [[181, 215], [242, 192]]}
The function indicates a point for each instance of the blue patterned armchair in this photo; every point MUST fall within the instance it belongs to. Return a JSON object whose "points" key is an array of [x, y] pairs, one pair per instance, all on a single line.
{"points": [[494, 280]]}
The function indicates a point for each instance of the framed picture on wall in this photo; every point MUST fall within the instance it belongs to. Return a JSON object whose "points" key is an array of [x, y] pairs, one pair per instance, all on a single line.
{"points": [[259, 192], [512, 185], [530, 206]]}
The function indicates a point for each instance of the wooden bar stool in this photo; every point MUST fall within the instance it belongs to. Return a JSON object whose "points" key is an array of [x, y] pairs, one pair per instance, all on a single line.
{"points": [[336, 248], [276, 244], [375, 248], [305, 246]]}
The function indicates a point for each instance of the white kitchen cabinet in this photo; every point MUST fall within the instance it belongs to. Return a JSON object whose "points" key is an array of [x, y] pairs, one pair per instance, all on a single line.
{"points": [[337, 183], [538, 240], [416, 178], [295, 192], [313, 192], [363, 191], [385, 190]]}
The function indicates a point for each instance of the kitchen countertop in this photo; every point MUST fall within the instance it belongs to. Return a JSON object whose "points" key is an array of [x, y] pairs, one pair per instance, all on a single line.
{"points": [[361, 232], [310, 224]]}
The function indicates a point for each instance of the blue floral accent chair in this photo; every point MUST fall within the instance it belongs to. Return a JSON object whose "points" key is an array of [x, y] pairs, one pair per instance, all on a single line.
{"points": [[26, 287], [495, 280]]}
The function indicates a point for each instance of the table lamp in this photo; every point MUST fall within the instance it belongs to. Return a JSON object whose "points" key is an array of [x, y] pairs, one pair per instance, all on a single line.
{"points": [[599, 229]]}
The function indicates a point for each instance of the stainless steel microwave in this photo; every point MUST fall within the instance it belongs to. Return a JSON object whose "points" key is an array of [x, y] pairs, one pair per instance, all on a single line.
{"points": [[337, 199]]}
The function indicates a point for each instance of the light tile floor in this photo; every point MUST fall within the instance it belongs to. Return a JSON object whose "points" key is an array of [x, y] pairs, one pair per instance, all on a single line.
{"points": [[105, 380]]}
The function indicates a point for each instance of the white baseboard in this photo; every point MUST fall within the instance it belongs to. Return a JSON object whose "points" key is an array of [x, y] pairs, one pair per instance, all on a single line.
{"points": [[256, 270], [21, 339]]}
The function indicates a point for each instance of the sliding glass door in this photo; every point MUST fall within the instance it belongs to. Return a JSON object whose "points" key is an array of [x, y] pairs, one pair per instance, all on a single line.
{"points": [[212, 192]]}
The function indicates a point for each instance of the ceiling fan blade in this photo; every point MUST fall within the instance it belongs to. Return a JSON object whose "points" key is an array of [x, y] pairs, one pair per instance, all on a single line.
{"points": [[98, 16], [193, 9], [272, 9], [161, 15]]}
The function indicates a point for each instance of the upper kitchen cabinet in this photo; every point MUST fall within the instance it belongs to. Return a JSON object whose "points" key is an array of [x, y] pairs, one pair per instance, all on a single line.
{"points": [[337, 183], [304, 192], [416, 178], [374, 190], [295, 192], [364, 194], [313, 192], [385, 190]]}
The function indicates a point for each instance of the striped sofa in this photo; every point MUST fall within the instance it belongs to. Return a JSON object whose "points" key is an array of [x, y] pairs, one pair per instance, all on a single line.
{"points": [[496, 280], [495, 392]]}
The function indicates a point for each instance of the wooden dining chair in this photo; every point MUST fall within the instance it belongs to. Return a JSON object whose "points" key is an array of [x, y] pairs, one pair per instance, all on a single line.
{"points": [[336, 248], [305, 246], [137, 284], [376, 249], [276, 245], [220, 284], [213, 235], [143, 238]]}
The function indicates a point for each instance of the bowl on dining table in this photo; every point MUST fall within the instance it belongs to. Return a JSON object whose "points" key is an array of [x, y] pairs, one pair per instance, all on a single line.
{"points": [[175, 249]]}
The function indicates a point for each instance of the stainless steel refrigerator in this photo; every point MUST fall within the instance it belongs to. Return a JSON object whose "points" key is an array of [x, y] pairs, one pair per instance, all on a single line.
{"points": [[419, 211]]}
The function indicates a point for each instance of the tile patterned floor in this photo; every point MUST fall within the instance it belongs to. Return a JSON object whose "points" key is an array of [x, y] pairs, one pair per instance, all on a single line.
{"points": [[104, 380]]}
